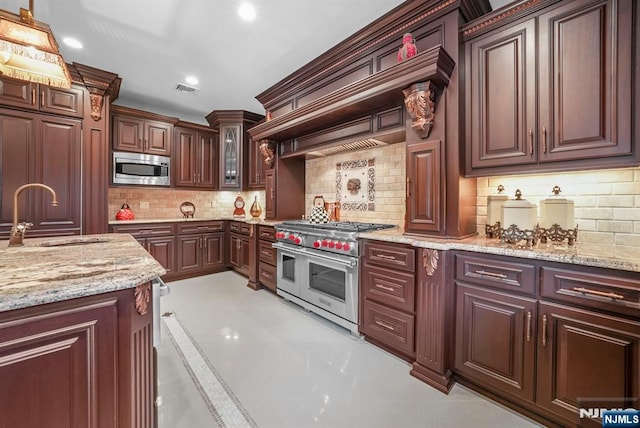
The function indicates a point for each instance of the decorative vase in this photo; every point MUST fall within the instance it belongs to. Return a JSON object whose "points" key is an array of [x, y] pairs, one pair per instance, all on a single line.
{"points": [[256, 209], [408, 48], [125, 213]]}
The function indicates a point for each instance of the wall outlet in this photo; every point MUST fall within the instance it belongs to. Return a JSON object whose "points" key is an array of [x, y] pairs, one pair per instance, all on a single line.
{"points": [[144, 205]]}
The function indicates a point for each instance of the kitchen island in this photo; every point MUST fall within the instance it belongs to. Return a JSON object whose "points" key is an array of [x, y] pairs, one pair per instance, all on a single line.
{"points": [[76, 337]]}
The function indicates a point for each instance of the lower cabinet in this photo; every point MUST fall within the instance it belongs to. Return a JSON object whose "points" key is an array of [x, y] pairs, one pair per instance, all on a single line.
{"points": [[157, 238], [200, 248], [548, 338], [85, 362], [267, 257], [387, 297], [239, 253]]}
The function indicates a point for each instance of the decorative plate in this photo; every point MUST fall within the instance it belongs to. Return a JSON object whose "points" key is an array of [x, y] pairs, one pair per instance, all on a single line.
{"points": [[187, 209]]}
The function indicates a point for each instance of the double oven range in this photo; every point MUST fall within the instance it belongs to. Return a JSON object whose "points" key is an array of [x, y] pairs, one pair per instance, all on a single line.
{"points": [[318, 267]]}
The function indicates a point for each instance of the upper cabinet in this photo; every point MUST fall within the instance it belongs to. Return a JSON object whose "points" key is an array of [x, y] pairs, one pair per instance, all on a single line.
{"points": [[141, 132], [235, 156], [552, 88], [27, 95], [195, 157]]}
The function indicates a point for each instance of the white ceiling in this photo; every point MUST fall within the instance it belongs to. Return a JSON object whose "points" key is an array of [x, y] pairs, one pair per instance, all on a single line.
{"points": [[153, 45]]}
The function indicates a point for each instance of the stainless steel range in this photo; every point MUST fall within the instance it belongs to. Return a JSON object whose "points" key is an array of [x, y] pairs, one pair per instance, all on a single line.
{"points": [[318, 267]]}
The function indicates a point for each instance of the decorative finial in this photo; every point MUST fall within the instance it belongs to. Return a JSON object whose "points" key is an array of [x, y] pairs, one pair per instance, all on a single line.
{"points": [[556, 190], [500, 188], [518, 195]]}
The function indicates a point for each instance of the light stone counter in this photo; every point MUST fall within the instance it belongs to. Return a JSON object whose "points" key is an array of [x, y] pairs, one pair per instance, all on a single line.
{"points": [[91, 264], [180, 219], [578, 254]]}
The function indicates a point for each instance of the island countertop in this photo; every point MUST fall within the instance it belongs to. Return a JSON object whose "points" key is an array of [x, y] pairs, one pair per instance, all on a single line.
{"points": [[47, 270]]}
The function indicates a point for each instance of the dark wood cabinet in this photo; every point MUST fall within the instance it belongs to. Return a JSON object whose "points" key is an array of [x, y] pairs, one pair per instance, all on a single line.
{"points": [[66, 102], [257, 169], [41, 149], [239, 249], [141, 132], [200, 248], [387, 297], [195, 158], [86, 362], [284, 189], [425, 187], [243, 256], [236, 149], [158, 239], [267, 257], [560, 113]]}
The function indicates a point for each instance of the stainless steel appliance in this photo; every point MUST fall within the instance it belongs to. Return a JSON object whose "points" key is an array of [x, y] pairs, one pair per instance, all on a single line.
{"points": [[318, 267], [139, 168]]}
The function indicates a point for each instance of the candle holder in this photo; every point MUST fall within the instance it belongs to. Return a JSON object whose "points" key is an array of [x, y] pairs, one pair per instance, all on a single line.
{"points": [[513, 235], [493, 231], [555, 233]]}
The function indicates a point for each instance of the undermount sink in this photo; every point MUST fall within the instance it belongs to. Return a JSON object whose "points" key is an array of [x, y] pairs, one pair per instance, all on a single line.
{"points": [[73, 241]]}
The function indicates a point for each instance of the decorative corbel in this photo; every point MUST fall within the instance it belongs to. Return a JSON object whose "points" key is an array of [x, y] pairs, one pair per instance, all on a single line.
{"points": [[142, 295], [97, 99], [430, 261], [268, 150], [420, 101], [100, 84]]}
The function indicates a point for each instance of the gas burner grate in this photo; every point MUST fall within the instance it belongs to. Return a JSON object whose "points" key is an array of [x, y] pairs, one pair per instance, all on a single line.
{"points": [[342, 226]]}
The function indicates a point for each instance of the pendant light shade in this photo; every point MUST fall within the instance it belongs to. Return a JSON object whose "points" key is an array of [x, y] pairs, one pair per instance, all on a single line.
{"points": [[28, 51]]}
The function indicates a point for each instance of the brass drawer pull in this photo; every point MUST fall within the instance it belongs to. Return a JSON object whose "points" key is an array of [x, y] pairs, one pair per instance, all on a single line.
{"points": [[384, 287], [544, 330], [610, 295], [267, 275], [385, 325], [529, 326], [530, 141], [491, 274], [385, 257]]}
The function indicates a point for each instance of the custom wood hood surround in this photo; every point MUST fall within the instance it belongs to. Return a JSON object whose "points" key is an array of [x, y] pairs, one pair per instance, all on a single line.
{"points": [[384, 88]]}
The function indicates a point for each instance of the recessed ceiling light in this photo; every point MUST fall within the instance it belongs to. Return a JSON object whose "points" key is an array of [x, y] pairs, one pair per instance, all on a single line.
{"points": [[247, 12], [73, 43], [192, 80]]}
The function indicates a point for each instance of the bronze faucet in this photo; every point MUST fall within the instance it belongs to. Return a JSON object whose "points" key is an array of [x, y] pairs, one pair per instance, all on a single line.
{"points": [[18, 229]]}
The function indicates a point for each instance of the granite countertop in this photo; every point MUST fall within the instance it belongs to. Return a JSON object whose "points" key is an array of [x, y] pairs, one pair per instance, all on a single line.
{"points": [[578, 254], [92, 264], [180, 219]]}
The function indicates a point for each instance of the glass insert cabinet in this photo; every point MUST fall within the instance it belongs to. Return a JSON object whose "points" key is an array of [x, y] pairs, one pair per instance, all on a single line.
{"points": [[234, 146]]}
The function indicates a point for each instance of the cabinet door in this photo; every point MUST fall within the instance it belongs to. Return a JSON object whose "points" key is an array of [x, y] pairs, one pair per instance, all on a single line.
{"points": [[189, 253], [424, 187], [17, 133], [18, 93], [256, 166], [157, 138], [270, 194], [207, 160], [68, 102], [163, 249], [57, 164], [213, 250], [585, 60], [245, 255], [184, 159], [495, 341], [584, 359], [235, 252], [128, 133], [230, 157], [502, 108]]}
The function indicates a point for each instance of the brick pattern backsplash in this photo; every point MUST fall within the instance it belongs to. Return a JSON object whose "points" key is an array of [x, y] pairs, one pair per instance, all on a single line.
{"points": [[607, 203], [390, 183], [152, 203]]}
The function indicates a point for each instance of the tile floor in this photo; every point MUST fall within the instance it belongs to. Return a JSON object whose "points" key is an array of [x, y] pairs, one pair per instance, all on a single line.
{"points": [[286, 367]]}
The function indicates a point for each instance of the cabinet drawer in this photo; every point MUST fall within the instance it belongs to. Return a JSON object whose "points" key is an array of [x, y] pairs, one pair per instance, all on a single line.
{"points": [[144, 230], [267, 275], [200, 227], [389, 326], [267, 233], [495, 271], [239, 227], [396, 289], [390, 255], [600, 289], [267, 253]]}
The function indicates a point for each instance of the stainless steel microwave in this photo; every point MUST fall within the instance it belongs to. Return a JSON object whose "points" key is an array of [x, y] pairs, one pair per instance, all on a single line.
{"points": [[138, 168]]}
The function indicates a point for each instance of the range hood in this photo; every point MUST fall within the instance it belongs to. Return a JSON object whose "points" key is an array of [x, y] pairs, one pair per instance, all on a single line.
{"points": [[351, 105]]}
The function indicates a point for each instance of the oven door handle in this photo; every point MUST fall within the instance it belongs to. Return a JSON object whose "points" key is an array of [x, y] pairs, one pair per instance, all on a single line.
{"points": [[303, 251]]}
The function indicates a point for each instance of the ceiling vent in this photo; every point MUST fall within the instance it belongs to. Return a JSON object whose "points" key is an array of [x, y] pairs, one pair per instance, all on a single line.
{"points": [[183, 87]]}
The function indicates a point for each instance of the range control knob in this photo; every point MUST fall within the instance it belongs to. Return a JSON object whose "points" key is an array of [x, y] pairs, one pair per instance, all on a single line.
{"points": [[346, 246], [292, 237], [339, 245], [332, 244], [298, 241], [325, 243], [316, 244]]}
